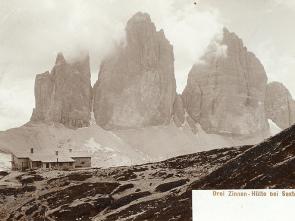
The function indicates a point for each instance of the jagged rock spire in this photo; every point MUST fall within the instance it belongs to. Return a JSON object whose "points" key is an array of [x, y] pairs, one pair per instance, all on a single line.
{"points": [[136, 86], [279, 105], [60, 59], [225, 92], [64, 95]]}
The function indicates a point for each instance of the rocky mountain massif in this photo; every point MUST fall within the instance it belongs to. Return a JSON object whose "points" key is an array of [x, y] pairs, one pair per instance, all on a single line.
{"points": [[155, 191], [133, 114], [226, 93]]}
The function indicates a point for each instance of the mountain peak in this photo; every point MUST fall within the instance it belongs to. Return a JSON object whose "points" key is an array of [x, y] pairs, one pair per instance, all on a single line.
{"points": [[225, 30], [140, 27], [60, 59], [140, 17], [232, 40]]}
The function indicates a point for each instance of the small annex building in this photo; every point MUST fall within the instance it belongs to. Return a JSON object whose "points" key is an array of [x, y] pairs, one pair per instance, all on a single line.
{"points": [[59, 159]]}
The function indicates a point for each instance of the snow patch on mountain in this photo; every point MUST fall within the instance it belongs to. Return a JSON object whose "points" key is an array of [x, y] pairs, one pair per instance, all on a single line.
{"points": [[274, 128], [5, 161], [118, 147], [92, 146]]}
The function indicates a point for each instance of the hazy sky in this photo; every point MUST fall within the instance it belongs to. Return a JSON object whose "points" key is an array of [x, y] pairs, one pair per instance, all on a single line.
{"points": [[33, 31]]}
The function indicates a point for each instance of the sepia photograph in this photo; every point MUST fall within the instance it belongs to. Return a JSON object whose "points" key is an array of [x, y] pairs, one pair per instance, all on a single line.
{"points": [[128, 109]]}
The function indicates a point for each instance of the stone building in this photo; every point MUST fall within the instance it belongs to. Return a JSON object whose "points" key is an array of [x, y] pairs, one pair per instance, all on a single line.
{"points": [[54, 160]]}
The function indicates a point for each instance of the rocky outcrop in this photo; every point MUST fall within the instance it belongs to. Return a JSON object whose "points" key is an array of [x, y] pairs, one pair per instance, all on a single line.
{"points": [[116, 193], [64, 95], [269, 164], [136, 85], [279, 105], [225, 92]]}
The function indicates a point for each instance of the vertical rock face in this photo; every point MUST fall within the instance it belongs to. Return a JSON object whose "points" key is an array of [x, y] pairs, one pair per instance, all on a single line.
{"points": [[225, 92], [279, 105], [64, 95], [136, 85]]}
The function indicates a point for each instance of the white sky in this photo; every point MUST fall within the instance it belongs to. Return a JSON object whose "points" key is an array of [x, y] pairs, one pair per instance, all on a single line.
{"points": [[32, 32]]}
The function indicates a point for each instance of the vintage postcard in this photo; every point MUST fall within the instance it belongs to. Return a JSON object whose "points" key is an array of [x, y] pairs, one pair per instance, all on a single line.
{"points": [[147, 110]]}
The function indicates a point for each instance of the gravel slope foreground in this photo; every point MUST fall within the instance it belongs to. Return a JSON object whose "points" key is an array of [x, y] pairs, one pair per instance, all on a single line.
{"points": [[150, 191], [154, 191]]}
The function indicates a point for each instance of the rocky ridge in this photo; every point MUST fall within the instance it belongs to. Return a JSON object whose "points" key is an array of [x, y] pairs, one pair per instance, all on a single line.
{"points": [[269, 164], [143, 192]]}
